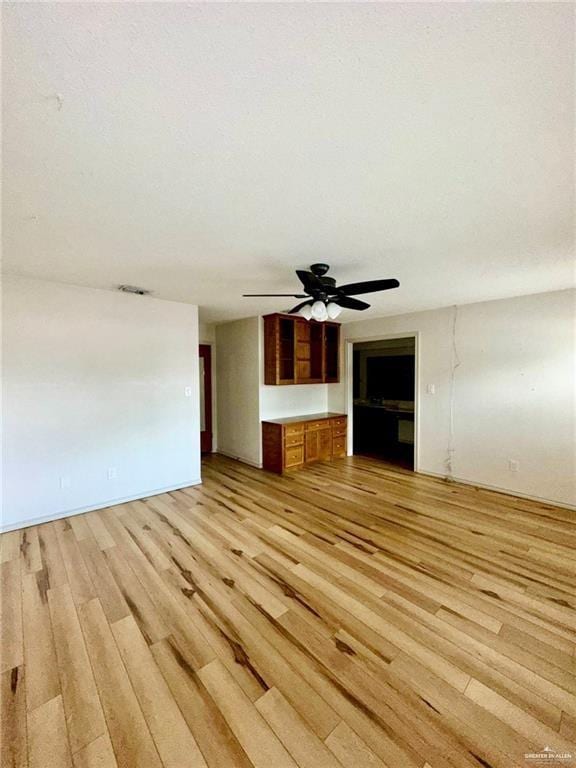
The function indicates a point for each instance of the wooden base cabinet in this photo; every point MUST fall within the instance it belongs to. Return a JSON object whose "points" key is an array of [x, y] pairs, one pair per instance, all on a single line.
{"points": [[298, 440]]}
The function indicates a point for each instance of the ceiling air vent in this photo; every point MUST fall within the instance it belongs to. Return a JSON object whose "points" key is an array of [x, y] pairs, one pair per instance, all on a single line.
{"points": [[134, 289]]}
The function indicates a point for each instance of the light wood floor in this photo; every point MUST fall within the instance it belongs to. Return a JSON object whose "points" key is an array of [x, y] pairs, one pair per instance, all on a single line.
{"points": [[346, 615]]}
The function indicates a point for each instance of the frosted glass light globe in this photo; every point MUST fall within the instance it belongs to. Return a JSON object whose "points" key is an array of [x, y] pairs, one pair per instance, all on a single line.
{"points": [[306, 312], [333, 310], [319, 311]]}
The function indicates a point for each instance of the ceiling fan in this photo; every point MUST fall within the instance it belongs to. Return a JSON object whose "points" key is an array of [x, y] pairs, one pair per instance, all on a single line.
{"points": [[324, 299]]}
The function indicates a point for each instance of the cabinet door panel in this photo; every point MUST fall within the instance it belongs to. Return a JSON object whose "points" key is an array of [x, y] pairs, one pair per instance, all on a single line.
{"points": [[302, 371], [311, 445], [325, 444], [332, 352], [302, 350]]}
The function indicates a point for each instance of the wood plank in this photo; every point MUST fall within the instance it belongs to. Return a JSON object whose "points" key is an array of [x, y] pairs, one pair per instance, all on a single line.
{"points": [[47, 736], [11, 634], [10, 543], [84, 717], [51, 557], [105, 585], [304, 746], [516, 718], [351, 750], [79, 578], [203, 716], [42, 680], [141, 606], [99, 530], [176, 745], [80, 527], [568, 727], [258, 740], [30, 551], [97, 754], [13, 729], [131, 739]]}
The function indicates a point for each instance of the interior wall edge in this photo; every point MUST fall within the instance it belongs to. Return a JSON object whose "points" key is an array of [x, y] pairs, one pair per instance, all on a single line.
{"points": [[496, 489], [243, 459], [91, 508]]}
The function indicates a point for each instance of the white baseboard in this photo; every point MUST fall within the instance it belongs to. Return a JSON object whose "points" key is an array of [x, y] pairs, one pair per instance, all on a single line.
{"points": [[91, 508], [244, 460], [497, 489]]}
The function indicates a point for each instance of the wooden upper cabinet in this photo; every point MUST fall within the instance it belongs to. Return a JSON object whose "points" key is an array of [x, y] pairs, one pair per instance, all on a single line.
{"points": [[298, 351], [332, 353]]}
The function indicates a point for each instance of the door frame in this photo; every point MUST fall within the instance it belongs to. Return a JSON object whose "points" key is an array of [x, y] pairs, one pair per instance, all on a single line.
{"points": [[208, 396], [349, 382]]}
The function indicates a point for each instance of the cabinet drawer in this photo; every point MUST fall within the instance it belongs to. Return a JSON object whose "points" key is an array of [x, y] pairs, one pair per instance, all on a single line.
{"points": [[293, 429], [293, 455], [310, 425], [294, 440], [339, 446], [339, 422], [339, 431]]}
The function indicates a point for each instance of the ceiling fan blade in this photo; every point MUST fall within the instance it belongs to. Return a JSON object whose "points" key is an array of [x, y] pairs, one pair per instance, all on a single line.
{"points": [[348, 303], [293, 295], [298, 307], [369, 286], [309, 280]]}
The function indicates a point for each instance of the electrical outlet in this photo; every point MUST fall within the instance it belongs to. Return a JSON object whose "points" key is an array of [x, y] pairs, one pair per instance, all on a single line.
{"points": [[513, 465], [65, 481], [188, 391], [431, 389], [112, 474]]}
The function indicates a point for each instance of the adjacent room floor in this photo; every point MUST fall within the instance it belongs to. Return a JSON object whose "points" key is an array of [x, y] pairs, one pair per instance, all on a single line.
{"points": [[345, 615]]}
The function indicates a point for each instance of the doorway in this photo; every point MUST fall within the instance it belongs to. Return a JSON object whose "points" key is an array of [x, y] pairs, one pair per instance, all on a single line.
{"points": [[383, 397], [205, 362]]}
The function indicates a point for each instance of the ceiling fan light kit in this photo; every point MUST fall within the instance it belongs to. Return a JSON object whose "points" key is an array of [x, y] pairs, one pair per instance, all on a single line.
{"points": [[324, 299], [319, 311], [333, 310]]}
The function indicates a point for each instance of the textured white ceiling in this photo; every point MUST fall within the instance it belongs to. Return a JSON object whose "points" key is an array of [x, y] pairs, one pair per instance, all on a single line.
{"points": [[207, 150]]}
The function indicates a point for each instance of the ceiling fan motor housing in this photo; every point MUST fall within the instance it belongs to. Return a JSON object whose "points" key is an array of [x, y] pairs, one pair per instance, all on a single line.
{"points": [[319, 269]]}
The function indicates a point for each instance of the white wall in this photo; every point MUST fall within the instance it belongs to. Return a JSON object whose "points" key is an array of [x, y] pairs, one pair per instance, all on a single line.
{"points": [[238, 389], [94, 380], [207, 335], [514, 391], [292, 400]]}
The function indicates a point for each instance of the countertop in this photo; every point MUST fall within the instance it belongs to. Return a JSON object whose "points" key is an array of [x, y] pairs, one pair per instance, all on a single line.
{"points": [[306, 417], [394, 411]]}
